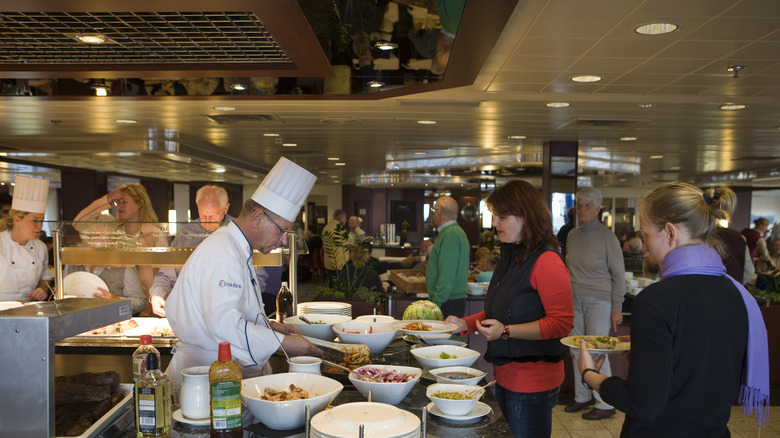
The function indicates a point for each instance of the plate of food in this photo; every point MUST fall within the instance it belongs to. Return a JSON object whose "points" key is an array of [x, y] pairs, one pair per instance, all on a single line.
{"points": [[598, 344], [423, 327]]}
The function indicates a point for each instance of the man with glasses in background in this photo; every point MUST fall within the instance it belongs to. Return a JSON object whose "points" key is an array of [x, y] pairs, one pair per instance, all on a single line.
{"points": [[217, 297]]}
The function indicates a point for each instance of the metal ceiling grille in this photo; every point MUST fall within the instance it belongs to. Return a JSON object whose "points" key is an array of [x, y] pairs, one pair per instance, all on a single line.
{"points": [[137, 37]]}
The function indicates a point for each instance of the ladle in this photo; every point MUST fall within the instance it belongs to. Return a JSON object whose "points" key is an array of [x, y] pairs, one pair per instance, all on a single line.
{"points": [[277, 338]]}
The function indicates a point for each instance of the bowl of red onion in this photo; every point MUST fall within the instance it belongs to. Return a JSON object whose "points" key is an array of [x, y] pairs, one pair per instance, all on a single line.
{"points": [[388, 383]]}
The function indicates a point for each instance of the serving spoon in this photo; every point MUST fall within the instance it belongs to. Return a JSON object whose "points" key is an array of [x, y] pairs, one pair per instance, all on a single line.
{"points": [[473, 393]]}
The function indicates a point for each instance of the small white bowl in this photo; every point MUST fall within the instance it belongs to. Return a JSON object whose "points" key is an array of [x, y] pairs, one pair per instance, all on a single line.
{"points": [[376, 335], [439, 374], [288, 415], [386, 392], [453, 407], [441, 341], [375, 318], [322, 331], [430, 357], [478, 288]]}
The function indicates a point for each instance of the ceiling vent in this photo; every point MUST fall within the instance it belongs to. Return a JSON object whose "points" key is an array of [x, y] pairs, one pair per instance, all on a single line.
{"points": [[602, 124], [231, 119]]}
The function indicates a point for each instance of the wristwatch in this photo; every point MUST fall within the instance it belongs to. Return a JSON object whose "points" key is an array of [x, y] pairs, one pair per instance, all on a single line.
{"points": [[585, 371], [505, 335]]}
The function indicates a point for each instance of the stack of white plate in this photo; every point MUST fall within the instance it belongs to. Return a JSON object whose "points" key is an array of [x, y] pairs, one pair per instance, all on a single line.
{"points": [[378, 419], [326, 307]]}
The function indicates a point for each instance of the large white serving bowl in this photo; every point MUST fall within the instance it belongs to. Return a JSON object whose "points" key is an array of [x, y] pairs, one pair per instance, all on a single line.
{"points": [[375, 318], [288, 415], [453, 407], [439, 374], [322, 331], [376, 335], [391, 393], [430, 357]]}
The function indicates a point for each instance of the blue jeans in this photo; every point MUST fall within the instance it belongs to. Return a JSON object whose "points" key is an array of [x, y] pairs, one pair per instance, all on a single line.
{"points": [[529, 414]]}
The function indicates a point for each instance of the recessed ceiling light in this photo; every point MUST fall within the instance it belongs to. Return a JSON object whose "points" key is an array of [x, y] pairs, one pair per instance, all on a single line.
{"points": [[333, 158], [426, 122], [270, 134], [732, 107], [627, 138], [92, 38], [125, 121], [323, 172], [586, 78], [101, 89], [421, 153], [375, 84], [656, 157], [385, 45], [675, 168], [557, 104], [289, 145], [645, 105], [516, 137], [501, 146], [224, 108], [334, 176], [340, 164], [659, 28], [599, 148]]}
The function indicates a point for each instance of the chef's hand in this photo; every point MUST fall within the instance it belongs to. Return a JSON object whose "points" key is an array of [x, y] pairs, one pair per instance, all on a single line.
{"points": [[285, 329], [38, 294], [586, 360], [491, 329], [297, 345], [617, 319], [452, 319], [158, 305]]}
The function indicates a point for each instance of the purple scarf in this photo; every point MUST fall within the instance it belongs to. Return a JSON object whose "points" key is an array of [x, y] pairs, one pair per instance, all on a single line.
{"points": [[754, 389]]}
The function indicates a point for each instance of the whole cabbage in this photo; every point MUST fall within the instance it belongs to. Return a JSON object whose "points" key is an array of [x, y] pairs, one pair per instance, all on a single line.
{"points": [[423, 309]]}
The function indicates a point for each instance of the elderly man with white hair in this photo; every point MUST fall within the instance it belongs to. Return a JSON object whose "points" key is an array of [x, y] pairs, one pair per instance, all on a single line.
{"points": [[448, 265]]}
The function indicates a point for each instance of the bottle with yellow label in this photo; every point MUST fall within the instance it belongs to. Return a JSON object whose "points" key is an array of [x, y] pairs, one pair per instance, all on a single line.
{"points": [[225, 381], [153, 401]]}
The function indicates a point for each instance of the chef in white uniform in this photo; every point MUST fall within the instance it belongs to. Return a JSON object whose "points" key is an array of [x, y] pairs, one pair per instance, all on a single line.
{"points": [[216, 297], [24, 260]]}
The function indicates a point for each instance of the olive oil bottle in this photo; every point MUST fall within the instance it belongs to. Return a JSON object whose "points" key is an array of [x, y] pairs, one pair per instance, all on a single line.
{"points": [[225, 381], [153, 401]]}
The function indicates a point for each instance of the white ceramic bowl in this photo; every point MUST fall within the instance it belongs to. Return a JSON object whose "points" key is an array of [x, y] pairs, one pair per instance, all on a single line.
{"points": [[431, 357], [439, 374], [453, 407], [381, 392], [320, 331], [478, 288], [375, 318], [376, 335], [288, 415], [440, 341]]}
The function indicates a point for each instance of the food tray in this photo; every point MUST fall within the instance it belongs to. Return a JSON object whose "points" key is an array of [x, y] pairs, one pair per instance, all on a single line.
{"points": [[403, 285], [146, 326], [109, 417]]}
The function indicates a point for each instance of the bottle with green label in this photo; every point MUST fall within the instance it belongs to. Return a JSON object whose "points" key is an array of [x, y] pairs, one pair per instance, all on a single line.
{"points": [[153, 401], [225, 381]]}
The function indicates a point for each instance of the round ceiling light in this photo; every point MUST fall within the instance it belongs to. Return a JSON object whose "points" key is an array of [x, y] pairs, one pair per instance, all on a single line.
{"points": [[92, 38], [376, 84], [586, 78], [426, 122], [385, 45], [627, 138], [658, 28], [732, 107], [557, 104]]}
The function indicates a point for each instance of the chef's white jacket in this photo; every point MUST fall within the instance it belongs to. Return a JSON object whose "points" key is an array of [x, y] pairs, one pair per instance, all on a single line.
{"points": [[22, 267], [217, 299]]}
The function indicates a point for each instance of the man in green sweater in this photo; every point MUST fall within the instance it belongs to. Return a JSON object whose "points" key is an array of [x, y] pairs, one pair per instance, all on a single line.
{"points": [[448, 265]]}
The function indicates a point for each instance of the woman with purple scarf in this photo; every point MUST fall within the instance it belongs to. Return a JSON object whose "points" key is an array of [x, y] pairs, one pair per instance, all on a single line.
{"points": [[698, 341]]}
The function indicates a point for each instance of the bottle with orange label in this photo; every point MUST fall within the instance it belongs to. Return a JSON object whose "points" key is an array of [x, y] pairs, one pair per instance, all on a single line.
{"points": [[225, 382]]}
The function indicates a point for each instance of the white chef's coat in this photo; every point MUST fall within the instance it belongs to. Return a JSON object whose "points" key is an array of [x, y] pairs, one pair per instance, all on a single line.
{"points": [[22, 267], [216, 299]]}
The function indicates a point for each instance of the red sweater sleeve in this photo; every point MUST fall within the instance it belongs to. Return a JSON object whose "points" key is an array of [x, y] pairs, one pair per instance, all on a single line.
{"points": [[471, 322], [550, 278]]}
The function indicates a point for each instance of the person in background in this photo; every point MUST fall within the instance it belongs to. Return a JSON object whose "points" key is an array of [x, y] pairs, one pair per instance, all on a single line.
{"points": [[491, 263], [598, 285], [334, 238], [5, 204], [353, 225], [420, 260], [216, 299], [650, 267], [480, 259], [212, 202], [448, 264], [771, 261], [698, 340], [563, 233], [24, 264], [633, 258], [358, 271], [138, 221], [736, 254], [755, 236], [528, 308]]}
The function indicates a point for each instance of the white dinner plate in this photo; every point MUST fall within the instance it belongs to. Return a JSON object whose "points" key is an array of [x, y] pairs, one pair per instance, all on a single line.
{"points": [[620, 346], [83, 284], [436, 327], [479, 410], [178, 416]]}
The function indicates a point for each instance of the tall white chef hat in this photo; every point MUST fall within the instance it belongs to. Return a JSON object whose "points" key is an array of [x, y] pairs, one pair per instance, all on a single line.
{"points": [[284, 189], [30, 194]]}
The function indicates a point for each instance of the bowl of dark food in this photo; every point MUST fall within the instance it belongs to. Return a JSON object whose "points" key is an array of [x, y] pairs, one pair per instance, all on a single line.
{"points": [[457, 375], [321, 326], [279, 400], [439, 356], [454, 399], [388, 383]]}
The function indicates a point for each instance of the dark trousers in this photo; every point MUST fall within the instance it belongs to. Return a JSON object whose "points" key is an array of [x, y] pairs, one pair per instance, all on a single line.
{"points": [[454, 307]]}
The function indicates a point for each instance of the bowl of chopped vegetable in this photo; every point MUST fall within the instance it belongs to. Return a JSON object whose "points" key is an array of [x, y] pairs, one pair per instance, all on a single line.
{"points": [[454, 399], [438, 356], [321, 326], [388, 383], [376, 335]]}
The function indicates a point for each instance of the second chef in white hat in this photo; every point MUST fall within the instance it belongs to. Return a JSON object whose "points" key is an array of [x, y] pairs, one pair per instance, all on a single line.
{"points": [[24, 260], [216, 297]]}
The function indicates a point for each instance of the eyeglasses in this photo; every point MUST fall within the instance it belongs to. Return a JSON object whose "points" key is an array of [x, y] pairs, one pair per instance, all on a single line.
{"points": [[281, 230]]}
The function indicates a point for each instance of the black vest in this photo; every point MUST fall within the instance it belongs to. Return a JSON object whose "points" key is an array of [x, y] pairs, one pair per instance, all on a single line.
{"points": [[512, 300]]}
